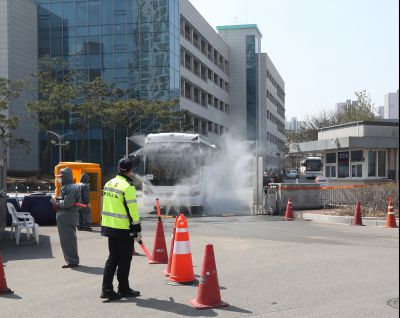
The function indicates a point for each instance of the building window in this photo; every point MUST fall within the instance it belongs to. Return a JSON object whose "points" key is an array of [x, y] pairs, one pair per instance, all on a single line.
{"points": [[357, 156], [356, 171], [382, 164], [343, 158], [371, 164]]}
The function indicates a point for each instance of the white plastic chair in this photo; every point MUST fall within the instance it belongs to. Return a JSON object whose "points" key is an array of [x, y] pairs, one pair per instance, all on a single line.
{"points": [[22, 220]]}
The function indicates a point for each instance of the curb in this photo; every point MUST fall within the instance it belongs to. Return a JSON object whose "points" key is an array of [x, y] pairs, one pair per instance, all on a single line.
{"points": [[339, 219]]}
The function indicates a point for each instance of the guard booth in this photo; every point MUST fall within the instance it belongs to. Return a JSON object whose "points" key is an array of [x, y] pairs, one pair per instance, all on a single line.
{"points": [[94, 172]]}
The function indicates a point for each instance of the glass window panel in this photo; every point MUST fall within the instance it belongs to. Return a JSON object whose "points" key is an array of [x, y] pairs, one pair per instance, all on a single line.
{"points": [[107, 12], [108, 60], [95, 30], [343, 164], [43, 9], [160, 27], [81, 31], [108, 29], [69, 14], [120, 19], [333, 172], [161, 95], [161, 41], [120, 4], [94, 12], [120, 72], [133, 42], [94, 62], [357, 156], [56, 46], [94, 73], [56, 15], [161, 58], [120, 40], [133, 59], [133, 11], [120, 28], [371, 164], [108, 43], [331, 157], [132, 28], [108, 75], [382, 164], [119, 60], [81, 13]]}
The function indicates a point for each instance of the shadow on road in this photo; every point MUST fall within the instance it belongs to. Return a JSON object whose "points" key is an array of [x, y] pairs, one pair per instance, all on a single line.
{"points": [[89, 270], [12, 296], [26, 249], [177, 308]]}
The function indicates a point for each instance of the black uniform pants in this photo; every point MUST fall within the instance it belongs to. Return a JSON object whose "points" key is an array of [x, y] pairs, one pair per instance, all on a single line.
{"points": [[121, 251]]}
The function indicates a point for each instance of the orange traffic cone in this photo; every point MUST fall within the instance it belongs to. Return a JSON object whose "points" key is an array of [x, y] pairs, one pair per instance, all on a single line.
{"points": [[289, 211], [171, 250], [357, 220], [208, 294], [160, 255], [3, 283], [182, 264], [391, 217]]}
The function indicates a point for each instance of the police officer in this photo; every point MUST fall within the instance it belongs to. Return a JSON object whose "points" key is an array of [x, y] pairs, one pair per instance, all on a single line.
{"points": [[67, 217], [121, 224]]}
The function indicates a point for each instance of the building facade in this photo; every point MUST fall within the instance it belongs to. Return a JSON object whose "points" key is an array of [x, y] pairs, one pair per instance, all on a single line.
{"points": [[162, 50], [18, 59], [257, 94], [360, 150], [391, 108], [342, 106]]}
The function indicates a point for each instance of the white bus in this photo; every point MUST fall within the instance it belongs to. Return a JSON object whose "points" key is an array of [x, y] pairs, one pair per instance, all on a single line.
{"points": [[311, 167], [174, 170]]}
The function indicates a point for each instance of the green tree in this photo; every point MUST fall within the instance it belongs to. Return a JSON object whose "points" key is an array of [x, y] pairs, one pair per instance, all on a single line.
{"points": [[98, 97], [363, 110], [10, 90], [54, 87]]}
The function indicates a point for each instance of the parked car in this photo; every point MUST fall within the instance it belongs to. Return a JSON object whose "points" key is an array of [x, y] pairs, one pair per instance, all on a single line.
{"points": [[292, 174]]}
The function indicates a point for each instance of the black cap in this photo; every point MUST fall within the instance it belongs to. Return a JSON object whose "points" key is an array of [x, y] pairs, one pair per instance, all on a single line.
{"points": [[125, 165]]}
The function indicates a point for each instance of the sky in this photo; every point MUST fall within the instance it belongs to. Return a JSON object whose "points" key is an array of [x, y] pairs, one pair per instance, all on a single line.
{"points": [[325, 50]]}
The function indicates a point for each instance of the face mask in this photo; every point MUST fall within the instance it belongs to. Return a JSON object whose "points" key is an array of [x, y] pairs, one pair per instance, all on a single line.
{"points": [[59, 180]]}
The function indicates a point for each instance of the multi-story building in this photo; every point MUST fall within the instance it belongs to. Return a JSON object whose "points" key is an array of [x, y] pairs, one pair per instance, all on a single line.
{"points": [[18, 59], [391, 108], [342, 106], [257, 96], [165, 50]]}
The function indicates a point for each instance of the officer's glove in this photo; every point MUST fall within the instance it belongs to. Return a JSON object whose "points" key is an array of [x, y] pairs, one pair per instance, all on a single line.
{"points": [[138, 237]]}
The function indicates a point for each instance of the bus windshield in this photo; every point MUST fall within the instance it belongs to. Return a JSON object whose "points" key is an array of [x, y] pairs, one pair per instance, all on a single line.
{"points": [[313, 165], [170, 165]]}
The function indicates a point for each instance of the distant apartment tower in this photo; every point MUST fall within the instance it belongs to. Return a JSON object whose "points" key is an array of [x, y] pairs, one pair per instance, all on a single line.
{"points": [[381, 112], [295, 125], [18, 59], [391, 108], [342, 106]]}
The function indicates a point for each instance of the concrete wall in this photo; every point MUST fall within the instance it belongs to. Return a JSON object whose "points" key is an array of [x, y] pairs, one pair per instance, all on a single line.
{"points": [[18, 59], [359, 130]]}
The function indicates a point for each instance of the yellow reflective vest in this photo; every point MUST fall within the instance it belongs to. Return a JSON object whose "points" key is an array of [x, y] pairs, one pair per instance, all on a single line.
{"points": [[119, 199]]}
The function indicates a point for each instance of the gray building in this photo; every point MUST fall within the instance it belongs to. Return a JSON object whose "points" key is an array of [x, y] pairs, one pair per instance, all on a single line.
{"points": [[257, 95], [342, 106], [154, 50], [18, 59], [360, 150], [391, 108]]}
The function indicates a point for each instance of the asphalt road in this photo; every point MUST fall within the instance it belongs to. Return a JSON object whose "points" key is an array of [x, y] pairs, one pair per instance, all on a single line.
{"points": [[266, 268]]}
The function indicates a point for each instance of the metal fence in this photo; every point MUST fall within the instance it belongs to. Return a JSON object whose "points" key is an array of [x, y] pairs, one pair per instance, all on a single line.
{"points": [[374, 198]]}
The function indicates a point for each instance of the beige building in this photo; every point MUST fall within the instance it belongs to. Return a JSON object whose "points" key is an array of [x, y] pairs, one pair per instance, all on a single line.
{"points": [[360, 150]]}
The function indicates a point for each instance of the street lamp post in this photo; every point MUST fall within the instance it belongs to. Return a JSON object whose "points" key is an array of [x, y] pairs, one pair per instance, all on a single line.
{"points": [[60, 143]]}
